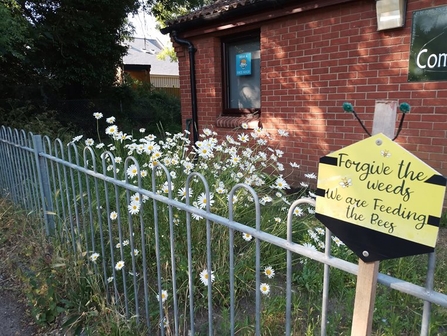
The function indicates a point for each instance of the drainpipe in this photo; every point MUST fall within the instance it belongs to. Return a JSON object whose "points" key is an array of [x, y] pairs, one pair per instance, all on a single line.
{"points": [[192, 76]]}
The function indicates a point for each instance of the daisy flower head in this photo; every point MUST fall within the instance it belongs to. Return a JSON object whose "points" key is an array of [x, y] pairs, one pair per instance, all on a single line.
{"points": [[265, 288], [207, 131], [94, 257], [113, 215], [136, 252], [309, 246], [134, 208], [204, 277], [281, 184], [311, 176], [109, 279], [269, 272], [294, 165], [320, 230], [221, 190], [283, 133], [164, 296], [182, 193], [77, 138], [142, 130], [111, 130], [110, 120], [89, 142], [243, 137], [119, 265], [97, 115], [135, 197], [244, 125], [337, 241], [126, 242], [203, 200], [247, 236], [132, 171], [298, 211]]}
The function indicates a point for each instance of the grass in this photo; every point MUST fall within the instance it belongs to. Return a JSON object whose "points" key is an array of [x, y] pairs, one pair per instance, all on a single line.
{"points": [[63, 293], [76, 280]]}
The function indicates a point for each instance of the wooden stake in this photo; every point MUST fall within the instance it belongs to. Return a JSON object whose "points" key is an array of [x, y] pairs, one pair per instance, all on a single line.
{"points": [[365, 292], [365, 296]]}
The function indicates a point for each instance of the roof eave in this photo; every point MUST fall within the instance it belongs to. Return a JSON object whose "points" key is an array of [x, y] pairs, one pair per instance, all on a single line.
{"points": [[223, 16]]}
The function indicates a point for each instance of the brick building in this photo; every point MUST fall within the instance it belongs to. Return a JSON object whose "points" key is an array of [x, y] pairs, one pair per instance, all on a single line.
{"points": [[305, 59]]}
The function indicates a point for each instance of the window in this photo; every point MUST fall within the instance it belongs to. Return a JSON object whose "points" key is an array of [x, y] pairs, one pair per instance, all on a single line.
{"points": [[241, 73]]}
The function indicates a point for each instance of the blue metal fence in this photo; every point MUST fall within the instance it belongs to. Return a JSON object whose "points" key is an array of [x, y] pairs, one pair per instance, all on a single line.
{"points": [[82, 201]]}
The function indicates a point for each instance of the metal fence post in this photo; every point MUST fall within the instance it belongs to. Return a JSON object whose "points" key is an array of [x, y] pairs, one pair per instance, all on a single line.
{"points": [[44, 185]]}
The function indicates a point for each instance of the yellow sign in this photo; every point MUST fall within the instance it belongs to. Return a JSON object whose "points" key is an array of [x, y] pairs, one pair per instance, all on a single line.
{"points": [[377, 185]]}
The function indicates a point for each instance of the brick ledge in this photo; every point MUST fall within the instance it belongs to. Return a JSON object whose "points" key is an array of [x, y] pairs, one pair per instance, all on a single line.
{"points": [[252, 121]]}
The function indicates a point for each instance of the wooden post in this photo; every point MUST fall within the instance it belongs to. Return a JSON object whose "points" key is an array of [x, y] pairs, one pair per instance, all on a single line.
{"points": [[365, 297], [365, 292]]}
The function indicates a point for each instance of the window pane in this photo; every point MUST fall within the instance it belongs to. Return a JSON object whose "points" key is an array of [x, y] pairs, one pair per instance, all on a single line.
{"points": [[244, 74]]}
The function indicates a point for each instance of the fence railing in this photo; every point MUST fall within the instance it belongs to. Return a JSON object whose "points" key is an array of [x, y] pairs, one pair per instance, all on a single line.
{"points": [[148, 246]]}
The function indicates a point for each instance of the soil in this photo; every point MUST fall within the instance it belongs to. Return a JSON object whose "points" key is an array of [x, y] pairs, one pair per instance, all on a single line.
{"points": [[15, 319]]}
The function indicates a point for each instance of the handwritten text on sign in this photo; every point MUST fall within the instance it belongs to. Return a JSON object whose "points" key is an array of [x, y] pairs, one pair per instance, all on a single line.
{"points": [[379, 185]]}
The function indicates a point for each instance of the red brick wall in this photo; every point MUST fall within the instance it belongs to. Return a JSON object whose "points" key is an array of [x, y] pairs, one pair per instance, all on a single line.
{"points": [[312, 62]]}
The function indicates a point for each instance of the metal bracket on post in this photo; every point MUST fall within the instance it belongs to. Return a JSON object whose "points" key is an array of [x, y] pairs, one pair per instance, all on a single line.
{"points": [[44, 185]]}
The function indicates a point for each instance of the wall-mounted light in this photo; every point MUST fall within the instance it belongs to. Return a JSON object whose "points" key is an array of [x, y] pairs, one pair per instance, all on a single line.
{"points": [[390, 13]]}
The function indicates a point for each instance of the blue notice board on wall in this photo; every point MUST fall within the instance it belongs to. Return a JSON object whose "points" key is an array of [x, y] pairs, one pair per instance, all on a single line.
{"points": [[243, 64]]}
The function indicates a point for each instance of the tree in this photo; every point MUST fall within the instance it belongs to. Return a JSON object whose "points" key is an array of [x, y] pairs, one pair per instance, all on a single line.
{"points": [[78, 44], [15, 45]]}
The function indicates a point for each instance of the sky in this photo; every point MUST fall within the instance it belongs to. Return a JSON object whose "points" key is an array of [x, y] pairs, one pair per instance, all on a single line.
{"points": [[145, 27]]}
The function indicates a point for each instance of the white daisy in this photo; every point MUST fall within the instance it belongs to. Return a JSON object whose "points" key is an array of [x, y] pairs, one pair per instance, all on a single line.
{"points": [[132, 171], [298, 211], [203, 200], [182, 193], [111, 130], [89, 142], [283, 133], [337, 241], [265, 288], [269, 272], [309, 246], [119, 265], [247, 236], [164, 296], [77, 138], [97, 115], [204, 277], [134, 208], [281, 184], [113, 215], [110, 120], [94, 257]]}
